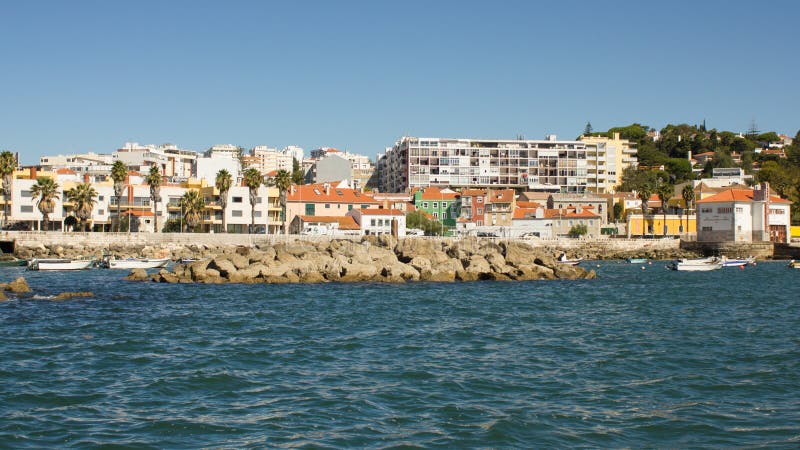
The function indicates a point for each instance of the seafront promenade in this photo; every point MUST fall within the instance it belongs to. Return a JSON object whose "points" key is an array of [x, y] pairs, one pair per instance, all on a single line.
{"points": [[600, 248]]}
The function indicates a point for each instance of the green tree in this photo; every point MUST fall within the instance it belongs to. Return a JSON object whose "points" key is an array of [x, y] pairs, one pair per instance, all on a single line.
{"points": [[46, 190], [664, 190], [578, 230], [587, 131], [8, 164], [688, 199], [119, 172], [82, 198], [618, 210], [417, 219], [777, 175], [223, 183], [297, 172], [282, 181], [192, 204], [153, 178], [253, 180]]}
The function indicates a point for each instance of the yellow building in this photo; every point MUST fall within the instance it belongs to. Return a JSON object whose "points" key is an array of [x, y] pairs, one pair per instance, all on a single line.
{"points": [[654, 224], [606, 158]]}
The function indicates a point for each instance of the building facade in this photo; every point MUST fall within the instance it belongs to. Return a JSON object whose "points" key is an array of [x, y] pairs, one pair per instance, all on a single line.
{"points": [[606, 158], [744, 215]]}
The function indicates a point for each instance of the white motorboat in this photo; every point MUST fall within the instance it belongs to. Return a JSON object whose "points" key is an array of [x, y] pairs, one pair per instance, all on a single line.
{"points": [[695, 265], [60, 264], [738, 262], [570, 262], [135, 263]]}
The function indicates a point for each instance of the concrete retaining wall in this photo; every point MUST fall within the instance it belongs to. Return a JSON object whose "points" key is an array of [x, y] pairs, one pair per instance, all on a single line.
{"points": [[761, 250]]}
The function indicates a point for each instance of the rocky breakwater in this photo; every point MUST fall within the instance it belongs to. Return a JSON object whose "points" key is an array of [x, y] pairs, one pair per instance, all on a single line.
{"points": [[373, 259]]}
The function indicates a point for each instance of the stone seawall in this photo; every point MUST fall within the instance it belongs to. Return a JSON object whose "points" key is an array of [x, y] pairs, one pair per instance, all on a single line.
{"points": [[188, 245], [761, 250]]}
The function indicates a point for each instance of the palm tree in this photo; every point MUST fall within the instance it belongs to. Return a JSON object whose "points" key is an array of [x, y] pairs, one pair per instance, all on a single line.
{"points": [[253, 180], [118, 173], [46, 189], [644, 194], [664, 191], [223, 182], [688, 198], [82, 198], [282, 181], [8, 164], [192, 205], [154, 180]]}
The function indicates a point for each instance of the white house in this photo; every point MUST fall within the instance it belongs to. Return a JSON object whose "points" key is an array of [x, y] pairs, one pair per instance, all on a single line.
{"points": [[379, 221], [743, 215]]}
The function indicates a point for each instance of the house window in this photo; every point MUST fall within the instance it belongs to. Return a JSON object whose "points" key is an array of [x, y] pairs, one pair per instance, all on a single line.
{"points": [[480, 199], [436, 215], [706, 210], [349, 207], [424, 204], [372, 222], [310, 209], [364, 206], [480, 210], [236, 200], [236, 213], [435, 205], [327, 206], [739, 210], [26, 208], [100, 198], [706, 228]]}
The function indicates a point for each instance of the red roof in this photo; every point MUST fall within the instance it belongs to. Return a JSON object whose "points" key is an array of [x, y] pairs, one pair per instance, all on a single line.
{"points": [[522, 213], [738, 195], [503, 196], [311, 193], [524, 204], [138, 213], [434, 193], [473, 192], [345, 223], [65, 172]]}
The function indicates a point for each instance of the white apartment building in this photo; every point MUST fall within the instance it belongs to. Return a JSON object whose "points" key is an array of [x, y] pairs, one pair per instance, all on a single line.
{"points": [[267, 159], [82, 163], [606, 158], [549, 164], [361, 168], [173, 162], [208, 166]]}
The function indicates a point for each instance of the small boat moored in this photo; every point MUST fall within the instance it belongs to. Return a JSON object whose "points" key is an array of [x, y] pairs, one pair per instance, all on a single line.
{"points": [[794, 264], [636, 260], [60, 264], [570, 262], [738, 262], [695, 265], [134, 263], [12, 262]]}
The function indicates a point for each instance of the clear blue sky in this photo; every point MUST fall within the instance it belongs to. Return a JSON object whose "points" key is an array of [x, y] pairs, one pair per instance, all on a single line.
{"points": [[89, 75]]}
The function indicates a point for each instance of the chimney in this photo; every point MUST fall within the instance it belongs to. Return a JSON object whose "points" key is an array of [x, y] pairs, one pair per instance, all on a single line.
{"points": [[86, 178], [327, 188], [33, 173]]}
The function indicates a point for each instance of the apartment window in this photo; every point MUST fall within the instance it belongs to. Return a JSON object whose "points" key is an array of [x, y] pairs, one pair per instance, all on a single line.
{"points": [[236, 200], [257, 214], [100, 198], [25, 194], [740, 210], [26, 208], [236, 213], [480, 199], [725, 210], [258, 200], [480, 211], [101, 212]]}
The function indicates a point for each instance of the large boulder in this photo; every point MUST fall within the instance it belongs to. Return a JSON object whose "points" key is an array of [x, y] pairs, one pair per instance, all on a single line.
{"points": [[222, 265], [518, 254], [68, 295], [18, 286], [408, 248], [358, 272], [240, 261], [137, 275]]}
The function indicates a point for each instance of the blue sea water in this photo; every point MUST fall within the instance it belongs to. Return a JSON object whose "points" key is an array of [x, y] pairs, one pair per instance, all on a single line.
{"points": [[635, 358]]}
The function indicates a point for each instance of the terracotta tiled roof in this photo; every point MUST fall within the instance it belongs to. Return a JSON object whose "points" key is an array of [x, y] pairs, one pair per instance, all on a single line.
{"points": [[345, 223], [524, 204], [315, 193], [502, 196], [473, 192], [434, 193], [738, 195], [569, 214], [65, 172], [521, 213]]}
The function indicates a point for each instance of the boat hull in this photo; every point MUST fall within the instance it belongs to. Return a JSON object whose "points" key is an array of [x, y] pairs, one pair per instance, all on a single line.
{"points": [[696, 265], [637, 260], [59, 264], [137, 263]]}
